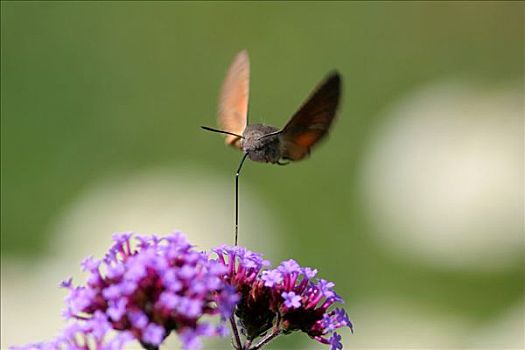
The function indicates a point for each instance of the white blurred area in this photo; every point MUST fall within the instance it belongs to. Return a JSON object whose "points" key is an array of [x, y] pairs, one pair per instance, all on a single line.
{"points": [[505, 332], [403, 324], [187, 199], [443, 179]]}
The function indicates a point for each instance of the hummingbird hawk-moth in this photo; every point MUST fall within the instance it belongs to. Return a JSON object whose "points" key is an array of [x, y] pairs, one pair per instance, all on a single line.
{"points": [[264, 143]]}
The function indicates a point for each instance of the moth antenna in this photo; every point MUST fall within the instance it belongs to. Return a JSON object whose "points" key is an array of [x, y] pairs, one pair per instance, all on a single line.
{"points": [[221, 131], [271, 134]]}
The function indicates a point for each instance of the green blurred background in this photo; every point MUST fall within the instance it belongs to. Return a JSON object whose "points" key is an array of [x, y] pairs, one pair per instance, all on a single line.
{"points": [[92, 91]]}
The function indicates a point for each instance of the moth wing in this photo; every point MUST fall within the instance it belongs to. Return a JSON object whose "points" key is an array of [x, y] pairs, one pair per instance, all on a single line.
{"points": [[312, 121], [233, 100]]}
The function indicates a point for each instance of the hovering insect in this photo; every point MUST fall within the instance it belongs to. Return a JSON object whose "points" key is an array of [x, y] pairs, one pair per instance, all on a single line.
{"points": [[264, 143]]}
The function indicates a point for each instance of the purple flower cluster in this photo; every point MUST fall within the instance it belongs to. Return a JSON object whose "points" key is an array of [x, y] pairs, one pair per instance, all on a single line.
{"points": [[145, 288], [286, 299]]}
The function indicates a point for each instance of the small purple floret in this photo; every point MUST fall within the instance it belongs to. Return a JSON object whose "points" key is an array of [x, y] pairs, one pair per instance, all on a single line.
{"points": [[291, 300], [153, 334], [289, 266], [335, 342], [271, 278]]}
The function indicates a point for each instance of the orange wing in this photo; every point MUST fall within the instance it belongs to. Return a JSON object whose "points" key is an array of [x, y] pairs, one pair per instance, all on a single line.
{"points": [[233, 101], [312, 121]]}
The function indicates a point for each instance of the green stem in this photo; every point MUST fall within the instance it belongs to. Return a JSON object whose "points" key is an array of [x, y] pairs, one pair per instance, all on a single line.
{"points": [[236, 336], [266, 339]]}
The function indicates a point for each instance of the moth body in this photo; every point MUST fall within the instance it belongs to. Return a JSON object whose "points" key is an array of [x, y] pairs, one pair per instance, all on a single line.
{"points": [[266, 144], [260, 146], [262, 143]]}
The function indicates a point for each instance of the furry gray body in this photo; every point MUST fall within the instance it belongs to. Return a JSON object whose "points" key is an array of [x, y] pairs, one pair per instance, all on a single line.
{"points": [[261, 149]]}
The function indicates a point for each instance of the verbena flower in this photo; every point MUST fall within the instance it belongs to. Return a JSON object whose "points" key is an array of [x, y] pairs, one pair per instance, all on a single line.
{"points": [[145, 288], [286, 299]]}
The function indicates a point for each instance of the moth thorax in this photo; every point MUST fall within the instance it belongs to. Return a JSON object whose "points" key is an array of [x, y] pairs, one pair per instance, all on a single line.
{"points": [[261, 148]]}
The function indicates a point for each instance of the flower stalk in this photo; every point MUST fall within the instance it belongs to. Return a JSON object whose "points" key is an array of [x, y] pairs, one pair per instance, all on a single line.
{"points": [[235, 331]]}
